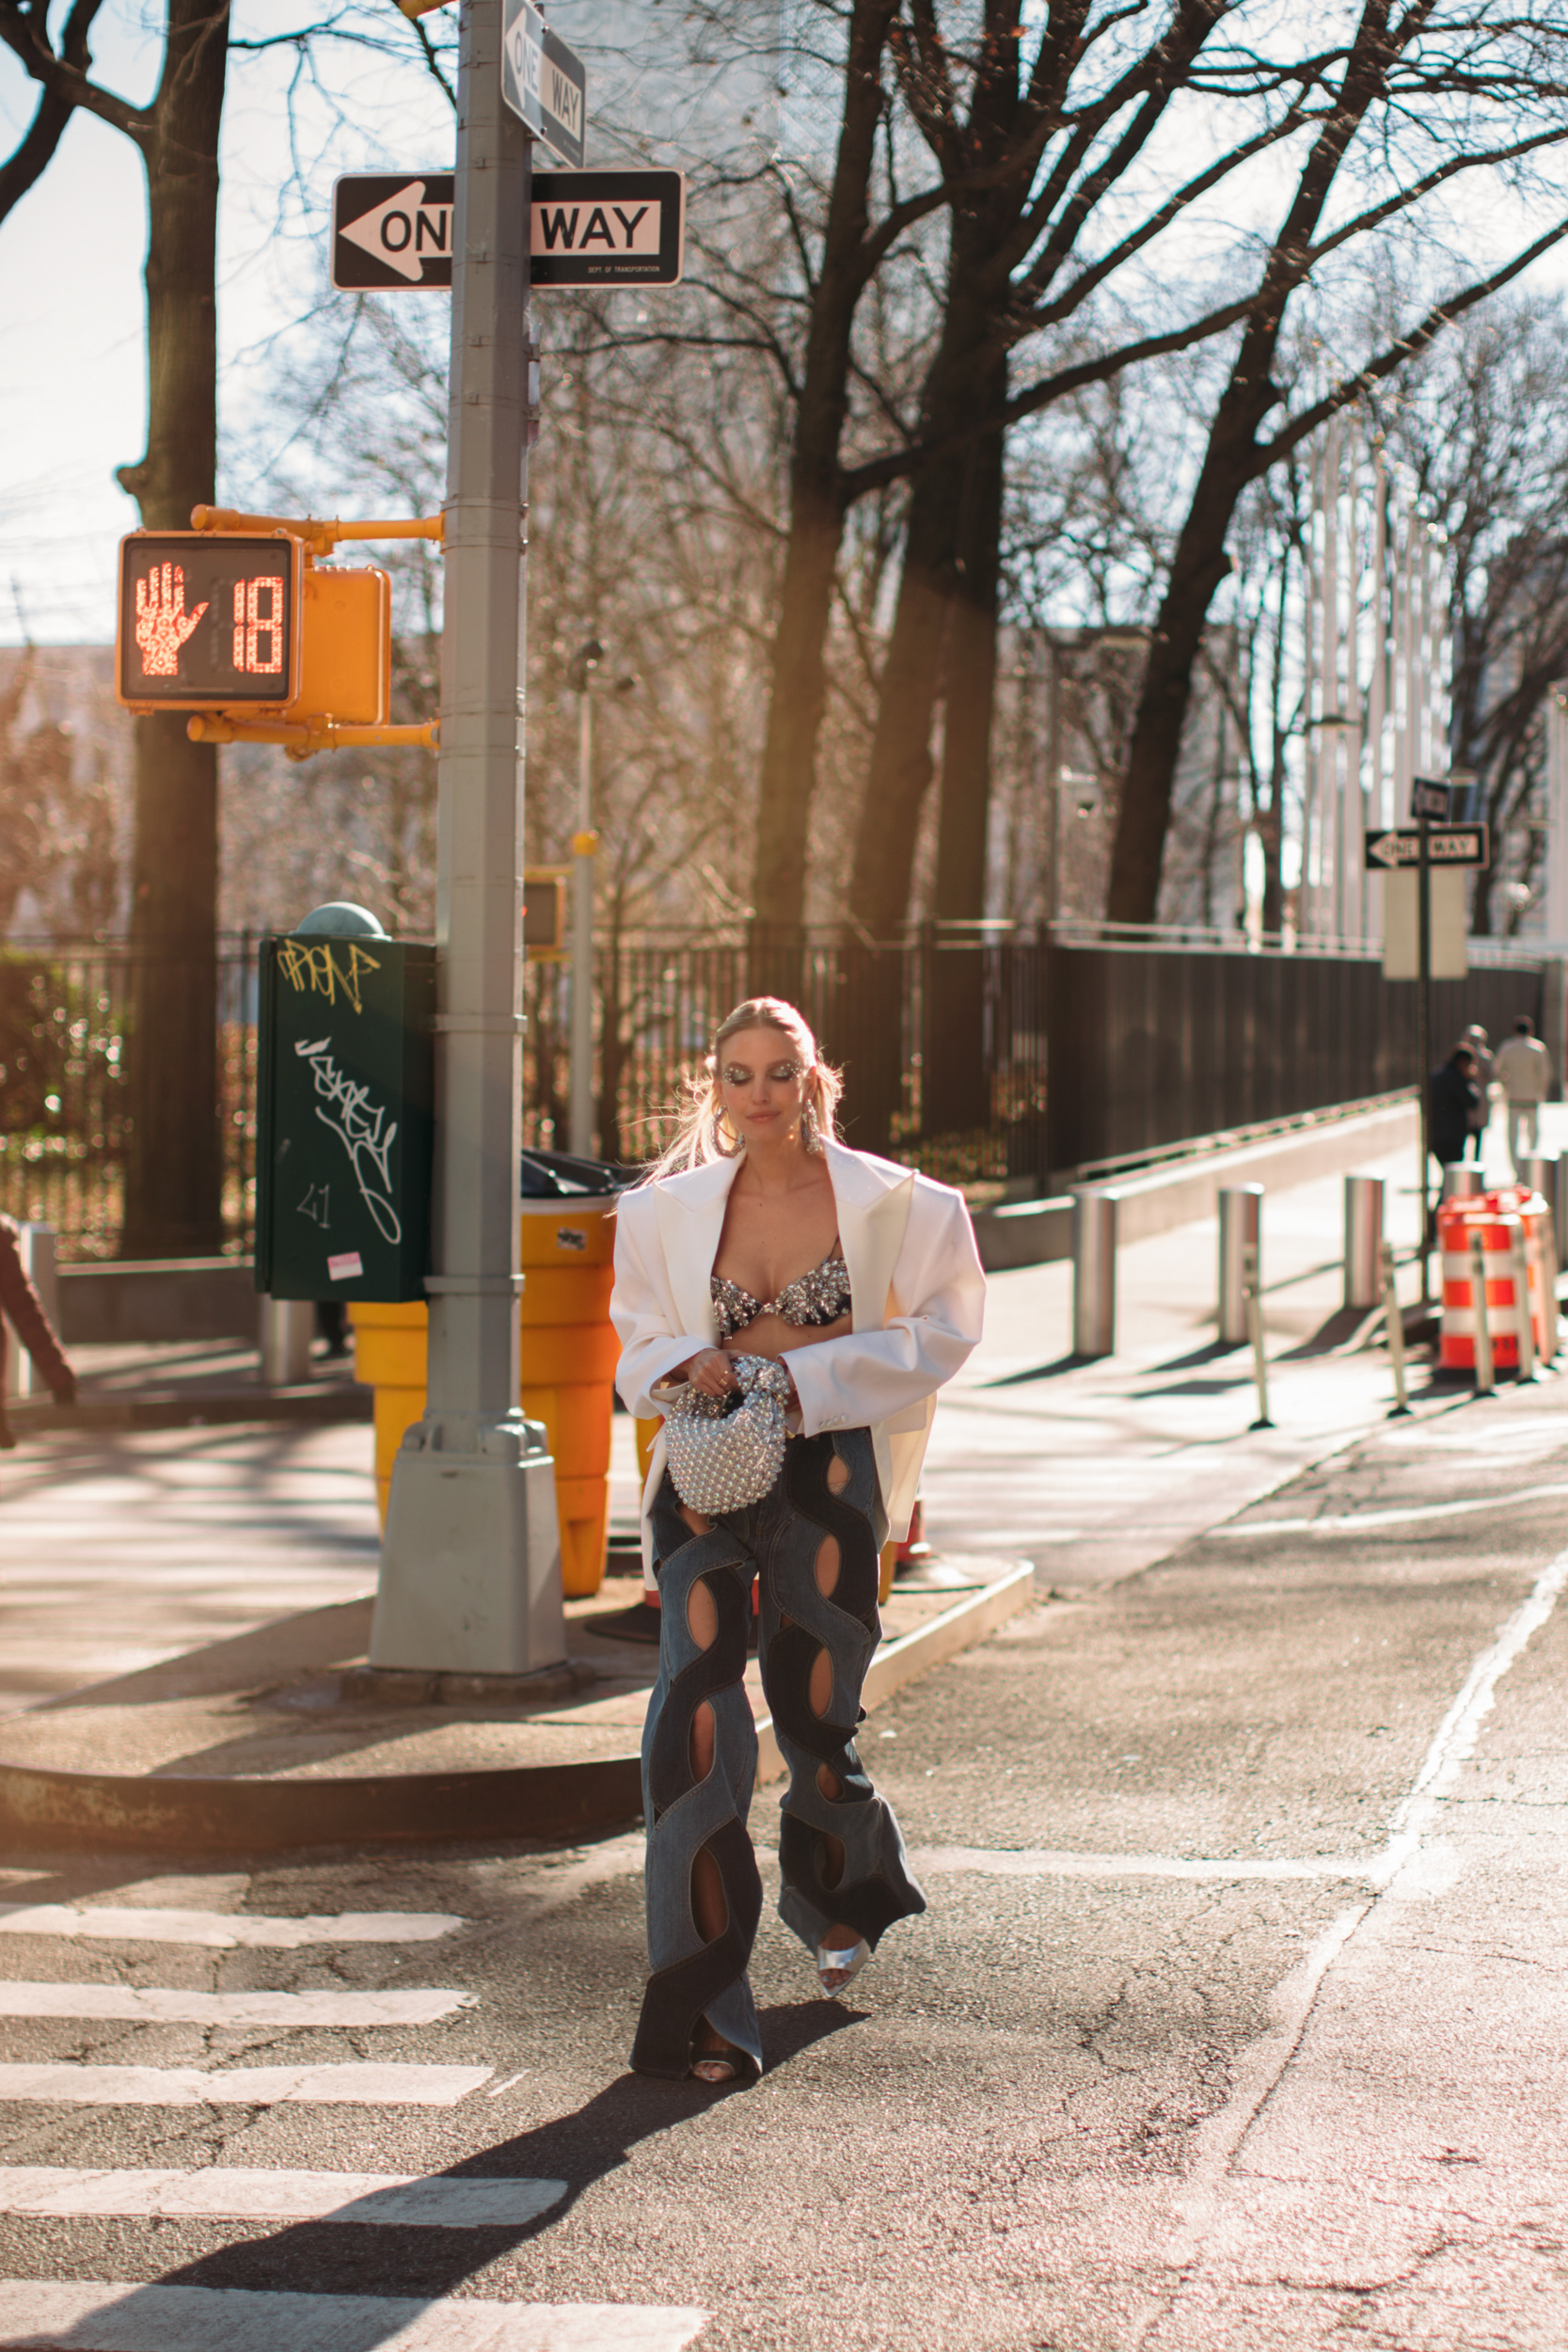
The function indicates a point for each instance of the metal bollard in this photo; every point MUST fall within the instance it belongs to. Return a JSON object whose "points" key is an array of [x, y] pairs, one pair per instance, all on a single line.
{"points": [[1486, 1381], [35, 1246], [1252, 1279], [1363, 1240], [1394, 1317], [1094, 1270], [1463, 1181], [1549, 1175], [1241, 1230], [287, 1327], [1524, 1305]]}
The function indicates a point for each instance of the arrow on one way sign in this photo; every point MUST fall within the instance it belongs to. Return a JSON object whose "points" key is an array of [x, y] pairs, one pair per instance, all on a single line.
{"points": [[405, 231]]}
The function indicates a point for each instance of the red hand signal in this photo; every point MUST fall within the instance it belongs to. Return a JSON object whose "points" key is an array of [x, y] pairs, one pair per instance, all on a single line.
{"points": [[162, 624]]}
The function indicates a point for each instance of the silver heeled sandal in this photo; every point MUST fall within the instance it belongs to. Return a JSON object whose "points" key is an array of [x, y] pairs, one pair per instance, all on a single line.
{"points": [[842, 1966]]}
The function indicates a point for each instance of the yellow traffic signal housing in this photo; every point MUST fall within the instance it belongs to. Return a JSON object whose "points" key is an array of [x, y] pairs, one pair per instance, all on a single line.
{"points": [[345, 654], [544, 913], [241, 625]]}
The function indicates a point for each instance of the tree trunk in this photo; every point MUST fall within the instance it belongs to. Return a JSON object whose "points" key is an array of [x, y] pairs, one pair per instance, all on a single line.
{"points": [[174, 1174], [800, 678], [970, 672], [900, 766]]}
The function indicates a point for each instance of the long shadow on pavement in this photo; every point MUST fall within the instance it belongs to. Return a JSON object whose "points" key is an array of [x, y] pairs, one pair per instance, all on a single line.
{"points": [[423, 2265]]}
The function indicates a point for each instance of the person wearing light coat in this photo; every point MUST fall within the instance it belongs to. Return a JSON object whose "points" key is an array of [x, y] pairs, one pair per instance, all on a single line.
{"points": [[868, 1333]]}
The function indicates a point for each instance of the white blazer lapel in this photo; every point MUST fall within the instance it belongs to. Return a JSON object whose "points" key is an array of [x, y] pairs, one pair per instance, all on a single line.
{"points": [[690, 1212], [873, 1217]]}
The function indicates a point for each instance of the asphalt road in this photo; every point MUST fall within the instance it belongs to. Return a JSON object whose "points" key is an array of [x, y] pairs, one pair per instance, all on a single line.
{"points": [[1238, 2018]]}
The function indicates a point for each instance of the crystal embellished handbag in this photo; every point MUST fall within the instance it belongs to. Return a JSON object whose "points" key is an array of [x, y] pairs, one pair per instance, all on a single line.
{"points": [[726, 1451]]}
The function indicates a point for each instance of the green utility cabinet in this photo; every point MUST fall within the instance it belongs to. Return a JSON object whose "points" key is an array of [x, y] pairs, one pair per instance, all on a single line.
{"points": [[345, 1101]]}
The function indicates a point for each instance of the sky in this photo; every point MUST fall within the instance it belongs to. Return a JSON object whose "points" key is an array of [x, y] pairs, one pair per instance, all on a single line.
{"points": [[72, 391], [72, 359]]}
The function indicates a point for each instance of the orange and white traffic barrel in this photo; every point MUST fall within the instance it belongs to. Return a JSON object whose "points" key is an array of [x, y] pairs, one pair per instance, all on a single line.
{"points": [[1511, 1223]]}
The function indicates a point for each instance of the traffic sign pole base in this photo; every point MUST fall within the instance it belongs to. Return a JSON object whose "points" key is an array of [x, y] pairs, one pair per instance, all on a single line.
{"points": [[470, 1563]]}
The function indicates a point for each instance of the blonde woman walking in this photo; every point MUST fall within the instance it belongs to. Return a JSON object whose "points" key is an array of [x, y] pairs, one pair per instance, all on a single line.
{"points": [[759, 1233]]}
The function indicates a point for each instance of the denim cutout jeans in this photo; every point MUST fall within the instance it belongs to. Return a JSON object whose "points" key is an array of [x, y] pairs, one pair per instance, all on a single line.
{"points": [[775, 1541]]}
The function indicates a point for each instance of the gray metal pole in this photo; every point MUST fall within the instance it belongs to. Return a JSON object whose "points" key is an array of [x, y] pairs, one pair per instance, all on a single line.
{"points": [[1485, 1377], [1241, 1230], [471, 1577], [1094, 1270], [1463, 1180], [1363, 1240], [583, 847], [1394, 1318]]}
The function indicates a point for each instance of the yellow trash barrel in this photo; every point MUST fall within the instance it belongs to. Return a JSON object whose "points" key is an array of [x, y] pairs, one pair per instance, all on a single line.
{"points": [[569, 1354]]}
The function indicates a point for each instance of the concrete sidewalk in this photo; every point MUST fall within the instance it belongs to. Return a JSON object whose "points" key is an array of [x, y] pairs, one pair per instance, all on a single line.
{"points": [[185, 1606]]}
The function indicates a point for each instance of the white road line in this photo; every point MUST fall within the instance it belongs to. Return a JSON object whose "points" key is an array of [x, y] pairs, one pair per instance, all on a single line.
{"points": [[1219, 2137], [380, 2199], [1351, 1522], [65, 2085], [223, 1930], [159, 2005], [102, 2316], [1039, 1862]]}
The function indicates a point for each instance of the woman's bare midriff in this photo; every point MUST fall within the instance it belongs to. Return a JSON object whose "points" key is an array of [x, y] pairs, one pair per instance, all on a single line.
{"points": [[770, 1335]]}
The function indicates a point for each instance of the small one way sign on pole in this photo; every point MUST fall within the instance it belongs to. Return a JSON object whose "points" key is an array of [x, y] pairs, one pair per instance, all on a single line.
{"points": [[392, 231], [544, 82]]}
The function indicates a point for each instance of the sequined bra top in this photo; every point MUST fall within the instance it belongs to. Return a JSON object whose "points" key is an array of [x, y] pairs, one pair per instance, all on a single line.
{"points": [[811, 1301]]}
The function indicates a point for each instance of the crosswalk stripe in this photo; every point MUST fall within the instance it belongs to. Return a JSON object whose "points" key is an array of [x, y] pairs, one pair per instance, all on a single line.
{"points": [[382, 2085], [97, 2315], [380, 2199], [160, 2004], [223, 1930]]}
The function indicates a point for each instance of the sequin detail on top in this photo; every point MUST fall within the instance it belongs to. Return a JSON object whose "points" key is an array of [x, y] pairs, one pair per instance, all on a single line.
{"points": [[808, 1302]]}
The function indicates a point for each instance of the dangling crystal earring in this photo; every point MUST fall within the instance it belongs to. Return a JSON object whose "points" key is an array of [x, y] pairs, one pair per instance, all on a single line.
{"points": [[811, 1130], [725, 1151]]}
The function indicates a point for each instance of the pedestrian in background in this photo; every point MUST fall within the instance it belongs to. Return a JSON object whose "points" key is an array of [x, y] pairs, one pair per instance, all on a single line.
{"points": [[1525, 1069], [21, 1305], [1476, 1039], [1452, 1097]]}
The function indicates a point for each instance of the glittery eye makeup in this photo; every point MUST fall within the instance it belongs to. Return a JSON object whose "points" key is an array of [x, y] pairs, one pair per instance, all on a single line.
{"points": [[780, 1074]]}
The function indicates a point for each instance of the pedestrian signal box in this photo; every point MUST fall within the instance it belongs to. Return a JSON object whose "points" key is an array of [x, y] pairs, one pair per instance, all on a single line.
{"points": [[237, 623], [345, 1101], [208, 623]]}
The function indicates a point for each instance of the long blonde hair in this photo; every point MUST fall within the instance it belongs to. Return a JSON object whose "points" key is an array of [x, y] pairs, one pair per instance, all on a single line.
{"points": [[700, 1135]]}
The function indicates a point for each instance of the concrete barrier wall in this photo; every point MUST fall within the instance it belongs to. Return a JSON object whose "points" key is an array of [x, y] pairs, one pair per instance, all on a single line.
{"points": [[169, 1298], [1033, 1232]]}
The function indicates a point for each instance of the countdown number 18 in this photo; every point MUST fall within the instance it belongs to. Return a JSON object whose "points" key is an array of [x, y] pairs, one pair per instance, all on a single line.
{"points": [[252, 625]]}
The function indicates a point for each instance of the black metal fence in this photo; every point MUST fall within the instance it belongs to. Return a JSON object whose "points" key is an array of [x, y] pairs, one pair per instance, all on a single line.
{"points": [[1149, 1043], [947, 1040], [67, 1029]]}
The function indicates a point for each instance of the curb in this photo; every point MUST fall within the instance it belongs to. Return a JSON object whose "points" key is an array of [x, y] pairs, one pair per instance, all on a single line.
{"points": [[170, 1410], [45, 1810]]}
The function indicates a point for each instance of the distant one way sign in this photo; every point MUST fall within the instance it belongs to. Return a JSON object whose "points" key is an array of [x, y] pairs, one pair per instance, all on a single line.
{"points": [[1447, 845], [392, 231]]}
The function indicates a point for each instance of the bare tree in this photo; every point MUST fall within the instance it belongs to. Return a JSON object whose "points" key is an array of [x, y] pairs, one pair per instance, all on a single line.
{"points": [[1406, 111], [173, 1172]]}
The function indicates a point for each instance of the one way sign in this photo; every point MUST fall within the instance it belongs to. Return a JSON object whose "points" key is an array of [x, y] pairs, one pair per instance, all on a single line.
{"points": [[393, 231], [1447, 845]]}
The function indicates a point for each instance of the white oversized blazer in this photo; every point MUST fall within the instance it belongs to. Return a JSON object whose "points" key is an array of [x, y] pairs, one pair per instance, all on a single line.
{"points": [[918, 1298]]}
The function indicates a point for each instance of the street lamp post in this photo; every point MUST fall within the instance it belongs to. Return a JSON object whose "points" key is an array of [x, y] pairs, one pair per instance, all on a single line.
{"points": [[585, 843]]}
